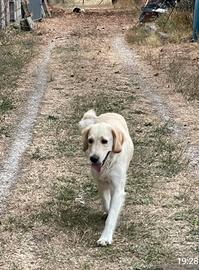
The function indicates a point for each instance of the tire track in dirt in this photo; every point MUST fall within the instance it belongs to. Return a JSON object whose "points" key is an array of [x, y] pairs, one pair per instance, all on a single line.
{"points": [[143, 76], [21, 140]]}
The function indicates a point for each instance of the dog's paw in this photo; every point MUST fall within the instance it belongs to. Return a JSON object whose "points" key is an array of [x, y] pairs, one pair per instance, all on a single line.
{"points": [[104, 242]]}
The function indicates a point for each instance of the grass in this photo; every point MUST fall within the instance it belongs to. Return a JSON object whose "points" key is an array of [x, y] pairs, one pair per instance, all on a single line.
{"points": [[181, 69], [175, 30], [94, 3], [186, 78], [191, 216], [156, 162], [156, 157], [5, 105], [179, 26], [142, 36], [5, 131], [16, 51], [63, 217], [72, 206]]}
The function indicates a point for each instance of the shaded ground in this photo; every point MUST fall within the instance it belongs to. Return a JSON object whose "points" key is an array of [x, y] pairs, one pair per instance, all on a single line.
{"points": [[53, 220]]}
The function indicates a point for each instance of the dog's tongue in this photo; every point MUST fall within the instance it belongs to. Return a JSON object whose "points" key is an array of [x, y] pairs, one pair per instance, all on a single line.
{"points": [[96, 167]]}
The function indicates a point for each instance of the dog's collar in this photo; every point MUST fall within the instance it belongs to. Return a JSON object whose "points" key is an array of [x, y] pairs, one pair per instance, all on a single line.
{"points": [[106, 158]]}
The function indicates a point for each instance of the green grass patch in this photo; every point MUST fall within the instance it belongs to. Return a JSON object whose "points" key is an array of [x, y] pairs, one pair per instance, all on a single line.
{"points": [[191, 216], [176, 29], [90, 189], [65, 192], [66, 148], [39, 155], [156, 155], [6, 105], [16, 49], [101, 102], [141, 35], [5, 131], [179, 25], [186, 79]]}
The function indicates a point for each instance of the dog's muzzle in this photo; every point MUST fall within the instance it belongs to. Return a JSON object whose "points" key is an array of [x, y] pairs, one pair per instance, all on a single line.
{"points": [[98, 165]]}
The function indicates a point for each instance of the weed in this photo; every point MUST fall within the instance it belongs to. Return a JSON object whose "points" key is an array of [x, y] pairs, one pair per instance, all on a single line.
{"points": [[19, 223], [186, 79], [67, 148], [85, 267], [179, 26], [137, 35], [5, 131], [16, 50], [147, 268], [65, 193], [14, 266], [5, 105], [52, 118], [175, 30], [90, 189], [38, 155], [13, 60], [191, 216]]}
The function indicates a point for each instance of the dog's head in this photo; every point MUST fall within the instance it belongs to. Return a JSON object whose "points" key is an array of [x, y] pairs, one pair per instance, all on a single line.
{"points": [[99, 140]]}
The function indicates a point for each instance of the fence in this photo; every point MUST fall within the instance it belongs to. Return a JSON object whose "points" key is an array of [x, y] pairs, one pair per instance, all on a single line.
{"points": [[186, 5], [10, 11]]}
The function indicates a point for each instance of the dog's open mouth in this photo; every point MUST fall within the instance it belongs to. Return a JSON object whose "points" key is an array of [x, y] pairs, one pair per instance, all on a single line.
{"points": [[97, 166]]}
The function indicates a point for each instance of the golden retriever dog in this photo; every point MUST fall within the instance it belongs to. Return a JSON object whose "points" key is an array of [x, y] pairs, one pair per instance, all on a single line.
{"points": [[109, 147]]}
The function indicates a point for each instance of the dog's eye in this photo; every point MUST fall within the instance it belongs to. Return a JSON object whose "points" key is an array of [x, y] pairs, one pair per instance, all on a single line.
{"points": [[90, 140], [104, 141]]}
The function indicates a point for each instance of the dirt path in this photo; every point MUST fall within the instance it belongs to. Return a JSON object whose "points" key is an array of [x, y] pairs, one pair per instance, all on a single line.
{"points": [[52, 219]]}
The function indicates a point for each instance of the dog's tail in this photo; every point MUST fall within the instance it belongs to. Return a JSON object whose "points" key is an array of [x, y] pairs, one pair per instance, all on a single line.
{"points": [[88, 119]]}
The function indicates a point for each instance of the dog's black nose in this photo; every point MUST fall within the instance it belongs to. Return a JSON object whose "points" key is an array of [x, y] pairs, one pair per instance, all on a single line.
{"points": [[94, 159]]}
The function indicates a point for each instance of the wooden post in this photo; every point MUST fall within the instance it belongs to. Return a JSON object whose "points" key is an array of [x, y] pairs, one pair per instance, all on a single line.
{"points": [[46, 8], [7, 12], [25, 8], [2, 15]]}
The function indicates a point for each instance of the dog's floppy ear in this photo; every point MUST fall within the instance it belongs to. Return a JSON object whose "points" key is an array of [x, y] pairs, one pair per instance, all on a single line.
{"points": [[118, 139], [85, 133]]}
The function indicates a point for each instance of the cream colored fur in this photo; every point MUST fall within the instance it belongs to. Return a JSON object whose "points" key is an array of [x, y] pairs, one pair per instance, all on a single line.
{"points": [[106, 138]]}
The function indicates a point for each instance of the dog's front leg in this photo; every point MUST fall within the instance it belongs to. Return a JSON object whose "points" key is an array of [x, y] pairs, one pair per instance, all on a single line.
{"points": [[117, 200], [104, 191]]}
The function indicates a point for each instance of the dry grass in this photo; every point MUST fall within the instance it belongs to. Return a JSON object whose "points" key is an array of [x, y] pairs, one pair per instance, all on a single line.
{"points": [[54, 217], [176, 30], [178, 27], [16, 49], [185, 75], [73, 207], [123, 4], [181, 65], [141, 35], [181, 68]]}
